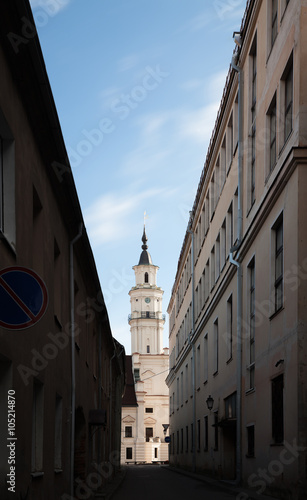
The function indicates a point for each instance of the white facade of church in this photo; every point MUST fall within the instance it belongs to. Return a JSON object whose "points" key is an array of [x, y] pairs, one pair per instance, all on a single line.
{"points": [[145, 409]]}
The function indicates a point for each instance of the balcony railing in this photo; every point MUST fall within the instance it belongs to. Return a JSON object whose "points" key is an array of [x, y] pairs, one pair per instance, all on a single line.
{"points": [[146, 315]]}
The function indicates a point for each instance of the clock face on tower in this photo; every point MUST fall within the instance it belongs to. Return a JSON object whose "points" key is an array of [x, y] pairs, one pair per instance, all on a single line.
{"points": [[147, 300]]}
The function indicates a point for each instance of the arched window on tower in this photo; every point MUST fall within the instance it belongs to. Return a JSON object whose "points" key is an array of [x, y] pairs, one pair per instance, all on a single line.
{"points": [[146, 277]]}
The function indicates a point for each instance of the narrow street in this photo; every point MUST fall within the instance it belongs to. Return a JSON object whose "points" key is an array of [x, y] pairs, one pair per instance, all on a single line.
{"points": [[152, 482]]}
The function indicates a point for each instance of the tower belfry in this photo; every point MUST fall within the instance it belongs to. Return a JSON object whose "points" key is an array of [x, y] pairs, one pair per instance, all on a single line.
{"points": [[146, 319]]}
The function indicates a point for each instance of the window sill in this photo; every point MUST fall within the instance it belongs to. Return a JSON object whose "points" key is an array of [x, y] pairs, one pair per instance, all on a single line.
{"points": [[37, 474], [215, 373], [9, 245], [58, 471], [250, 391], [229, 360], [250, 456], [276, 313]]}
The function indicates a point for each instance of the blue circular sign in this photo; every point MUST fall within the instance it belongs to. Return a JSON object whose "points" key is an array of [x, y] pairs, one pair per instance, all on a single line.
{"points": [[168, 439], [23, 298]]}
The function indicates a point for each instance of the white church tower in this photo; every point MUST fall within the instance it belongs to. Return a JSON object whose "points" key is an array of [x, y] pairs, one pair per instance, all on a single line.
{"points": [[145, 406]]}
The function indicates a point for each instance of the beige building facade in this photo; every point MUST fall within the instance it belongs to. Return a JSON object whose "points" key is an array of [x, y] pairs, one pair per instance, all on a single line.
{"points": [[237, 330], [145, 406]]}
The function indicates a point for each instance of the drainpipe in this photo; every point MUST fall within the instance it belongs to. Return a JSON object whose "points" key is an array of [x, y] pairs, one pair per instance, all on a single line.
{"points": [[237, 38], [73, 372], [192, 342]]}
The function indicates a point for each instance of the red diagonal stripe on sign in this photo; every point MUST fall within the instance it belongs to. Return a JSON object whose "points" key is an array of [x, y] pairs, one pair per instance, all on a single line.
{"points": [[17, 299]]}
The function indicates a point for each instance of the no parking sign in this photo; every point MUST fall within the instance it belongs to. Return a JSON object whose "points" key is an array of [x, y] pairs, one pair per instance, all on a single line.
{"points": [[23, 298]]}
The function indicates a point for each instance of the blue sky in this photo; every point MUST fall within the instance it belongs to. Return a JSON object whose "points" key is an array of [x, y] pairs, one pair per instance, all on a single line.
{"points": [[137, 85]]}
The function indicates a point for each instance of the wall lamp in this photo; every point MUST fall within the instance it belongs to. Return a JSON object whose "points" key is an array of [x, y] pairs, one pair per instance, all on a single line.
{"points": [[210, 402], [237, 38]]}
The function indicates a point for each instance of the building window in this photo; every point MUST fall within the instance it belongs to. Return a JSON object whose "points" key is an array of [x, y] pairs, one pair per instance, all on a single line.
{"points": [[206, 358], [217, 257], [181, 449], [251, 441], [229, 227], [128, 453], [149, 433], [192, 437], [198, 367], [223, 244], [58, 433], [148, 410], [231, 406], [212, 267], [272, 125], [229, 142], [186, 382], [274, 21], [229, 328], [278, 285], [212, 196], [136, 372], [252, 302], [128, 432], [186, 438], [216, 346], [7, 183], [216, 431], [37, 426], [288, 102], [206, 433], [278, 409], [148, 349], [156, 452], [253, 56], [146, 277], [177, 449], [207, 213], [198, 435], [223, 162]]}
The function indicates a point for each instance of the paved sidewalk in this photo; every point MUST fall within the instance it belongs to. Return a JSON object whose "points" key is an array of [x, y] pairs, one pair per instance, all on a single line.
{"points": [[242, 493], [112, 487]]}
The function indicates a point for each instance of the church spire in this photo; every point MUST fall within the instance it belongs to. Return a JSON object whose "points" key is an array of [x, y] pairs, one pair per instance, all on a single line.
{"points": [[144, 240], [145, 258]]}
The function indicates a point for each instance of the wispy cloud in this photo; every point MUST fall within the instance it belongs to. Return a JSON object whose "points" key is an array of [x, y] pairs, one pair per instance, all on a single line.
{"points": [[107, 219], [51, 8], [200, 21], [128, 62]]}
